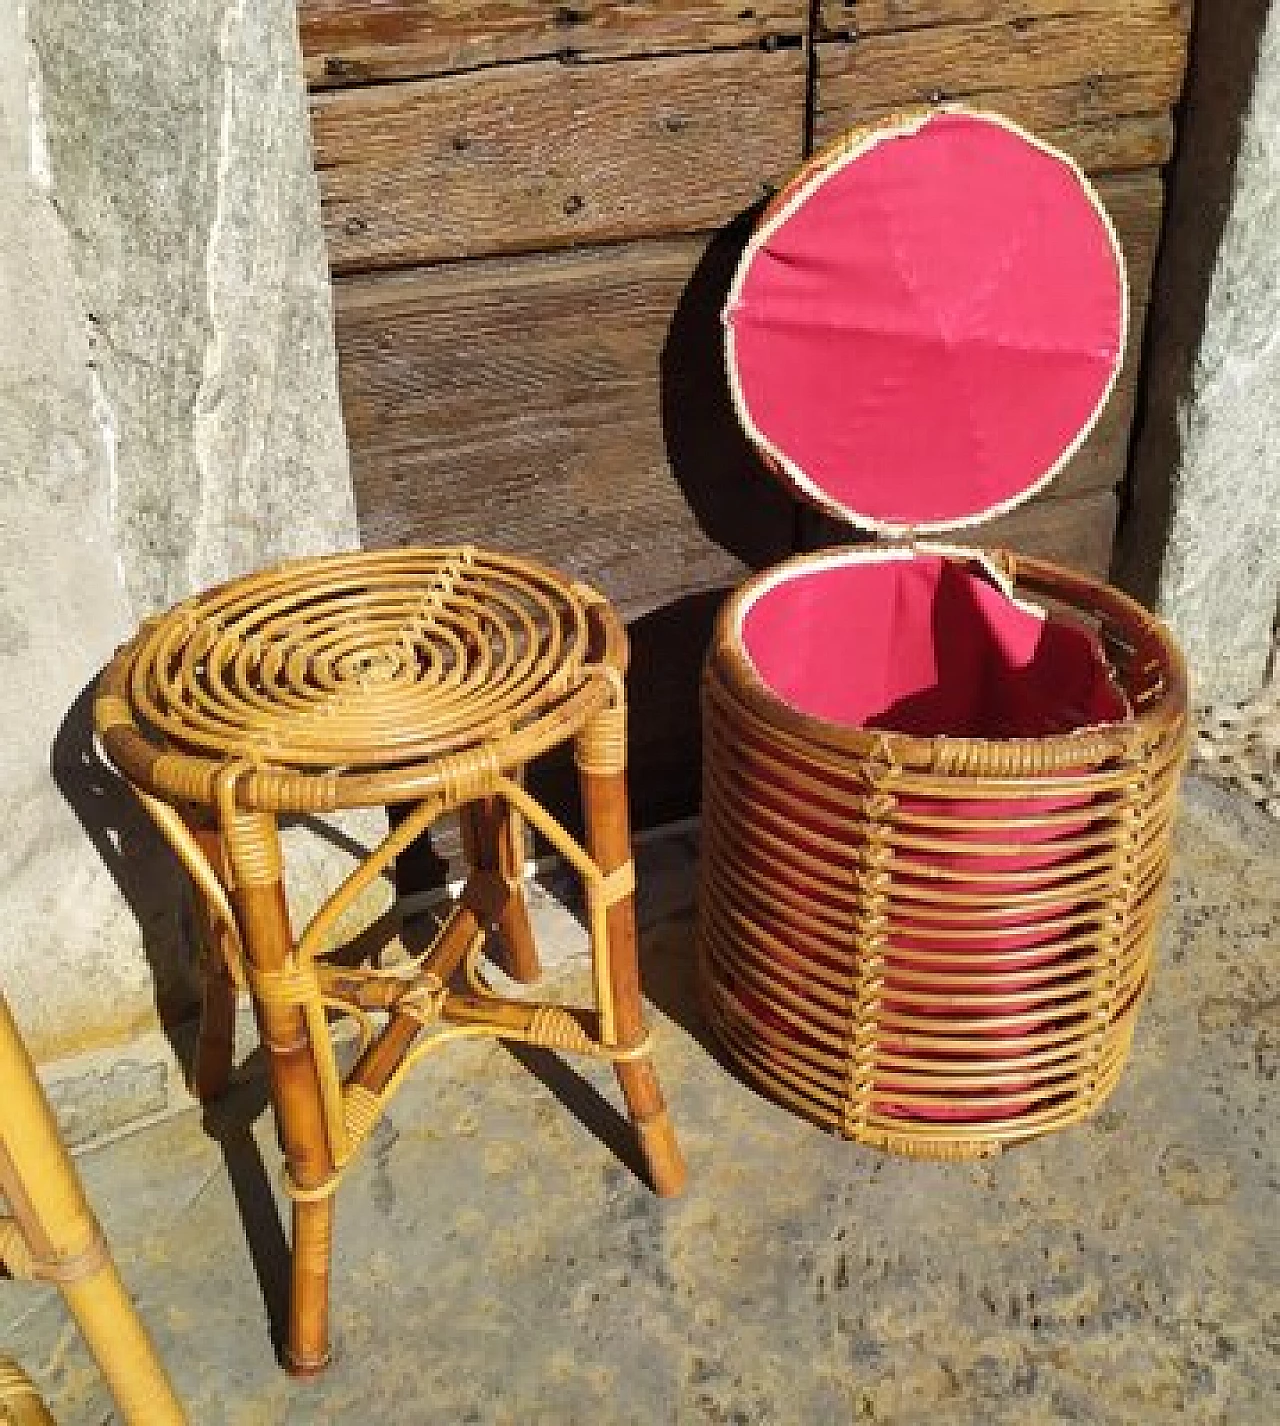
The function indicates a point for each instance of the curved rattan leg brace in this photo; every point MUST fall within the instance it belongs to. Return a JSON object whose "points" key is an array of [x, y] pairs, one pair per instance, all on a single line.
{"points": [[199, 846], [53, 1236], [219, 983]]}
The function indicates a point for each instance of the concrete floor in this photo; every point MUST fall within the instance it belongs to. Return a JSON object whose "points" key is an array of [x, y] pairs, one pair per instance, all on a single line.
{"points": [[497, 1263]]}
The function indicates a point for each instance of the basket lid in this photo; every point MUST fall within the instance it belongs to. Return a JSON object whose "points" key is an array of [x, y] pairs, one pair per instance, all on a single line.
{"points": [[928, 322]]}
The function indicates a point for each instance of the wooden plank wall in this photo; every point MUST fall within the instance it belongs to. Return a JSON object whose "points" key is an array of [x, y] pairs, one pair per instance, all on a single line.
{"points": [[533, 211], [530, 212], [1099, 78]]}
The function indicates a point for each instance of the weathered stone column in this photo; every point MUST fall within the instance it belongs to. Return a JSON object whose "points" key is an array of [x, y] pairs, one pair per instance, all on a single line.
{"points": [[180, 163], [169, 418], [62, 600], [1207, 462]]}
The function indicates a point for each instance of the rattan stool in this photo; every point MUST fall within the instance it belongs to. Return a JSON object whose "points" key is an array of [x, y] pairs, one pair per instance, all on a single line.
{"points": [[424, 679], [52, 1236]]}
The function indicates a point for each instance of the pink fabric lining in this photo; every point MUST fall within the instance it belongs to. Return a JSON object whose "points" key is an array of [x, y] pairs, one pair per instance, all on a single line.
{"points": [[929, 332], [926, 646]]}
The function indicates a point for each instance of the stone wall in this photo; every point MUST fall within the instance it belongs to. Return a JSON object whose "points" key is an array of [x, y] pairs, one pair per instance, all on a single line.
{"points": [[168, 417], [1203, 538]]}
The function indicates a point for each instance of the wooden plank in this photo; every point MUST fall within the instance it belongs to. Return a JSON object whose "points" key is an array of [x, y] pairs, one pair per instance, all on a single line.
{"points": [[870, 17], [1135, 202], [358, 41], [1078, 532], [570, 405], [1100, 462], [1112, 123], [546, 155], [880, 72]]}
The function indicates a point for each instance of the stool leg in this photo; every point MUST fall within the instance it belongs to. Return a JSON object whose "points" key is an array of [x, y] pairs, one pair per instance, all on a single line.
{"points": [[253, 850], [494, 842], [211, 1070], [605, 805]]}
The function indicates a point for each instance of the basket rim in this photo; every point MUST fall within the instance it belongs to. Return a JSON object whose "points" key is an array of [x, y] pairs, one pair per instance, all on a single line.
{"points": [[1081, 748], [804, 183]]}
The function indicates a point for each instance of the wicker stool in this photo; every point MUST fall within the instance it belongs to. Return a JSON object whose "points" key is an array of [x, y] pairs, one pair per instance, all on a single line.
{"points": [[423, 679], [52, 1236]]}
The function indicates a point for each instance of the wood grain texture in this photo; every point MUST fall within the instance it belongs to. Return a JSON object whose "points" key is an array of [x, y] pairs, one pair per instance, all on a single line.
{"points": [[1078, 532], [1100, 462], [1135, 202], [359, 41], [869, 17], [546, 155], [571, 406], [1110, 123], [877, 72]]}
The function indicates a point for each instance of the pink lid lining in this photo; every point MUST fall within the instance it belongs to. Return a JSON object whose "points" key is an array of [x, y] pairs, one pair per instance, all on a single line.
{"points": [[929, 327]]}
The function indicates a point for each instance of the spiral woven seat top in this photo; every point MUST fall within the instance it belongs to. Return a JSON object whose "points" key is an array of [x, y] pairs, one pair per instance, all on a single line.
{"points": [[359, 666]]}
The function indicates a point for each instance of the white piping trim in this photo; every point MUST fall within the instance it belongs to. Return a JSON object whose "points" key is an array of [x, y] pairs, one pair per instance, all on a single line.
{"points": [[794, 473]]}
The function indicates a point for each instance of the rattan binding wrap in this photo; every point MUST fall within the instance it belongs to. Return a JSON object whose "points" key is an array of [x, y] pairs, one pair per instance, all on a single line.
{"points": [[824, 856]]}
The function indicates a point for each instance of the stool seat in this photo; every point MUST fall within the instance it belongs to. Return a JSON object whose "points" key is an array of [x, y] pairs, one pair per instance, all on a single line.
{"points": [[357, 673], [420, 679]]}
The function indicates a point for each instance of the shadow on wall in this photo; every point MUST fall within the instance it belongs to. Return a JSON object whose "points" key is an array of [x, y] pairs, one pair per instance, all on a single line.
{"points": [[140, 863], [1200, 180], [738, 505]]}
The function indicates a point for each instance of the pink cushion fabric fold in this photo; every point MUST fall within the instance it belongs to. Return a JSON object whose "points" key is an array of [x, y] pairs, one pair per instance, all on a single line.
{"points": [[926, 646]]}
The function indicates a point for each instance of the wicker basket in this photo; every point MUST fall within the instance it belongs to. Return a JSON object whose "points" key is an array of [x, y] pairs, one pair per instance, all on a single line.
{"points": [[938, 783]]}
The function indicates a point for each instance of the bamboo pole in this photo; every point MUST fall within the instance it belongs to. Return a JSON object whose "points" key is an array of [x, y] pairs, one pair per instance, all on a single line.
{"points": [[494, 842], [253, 847], [601, 756], [58, 1239]]}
